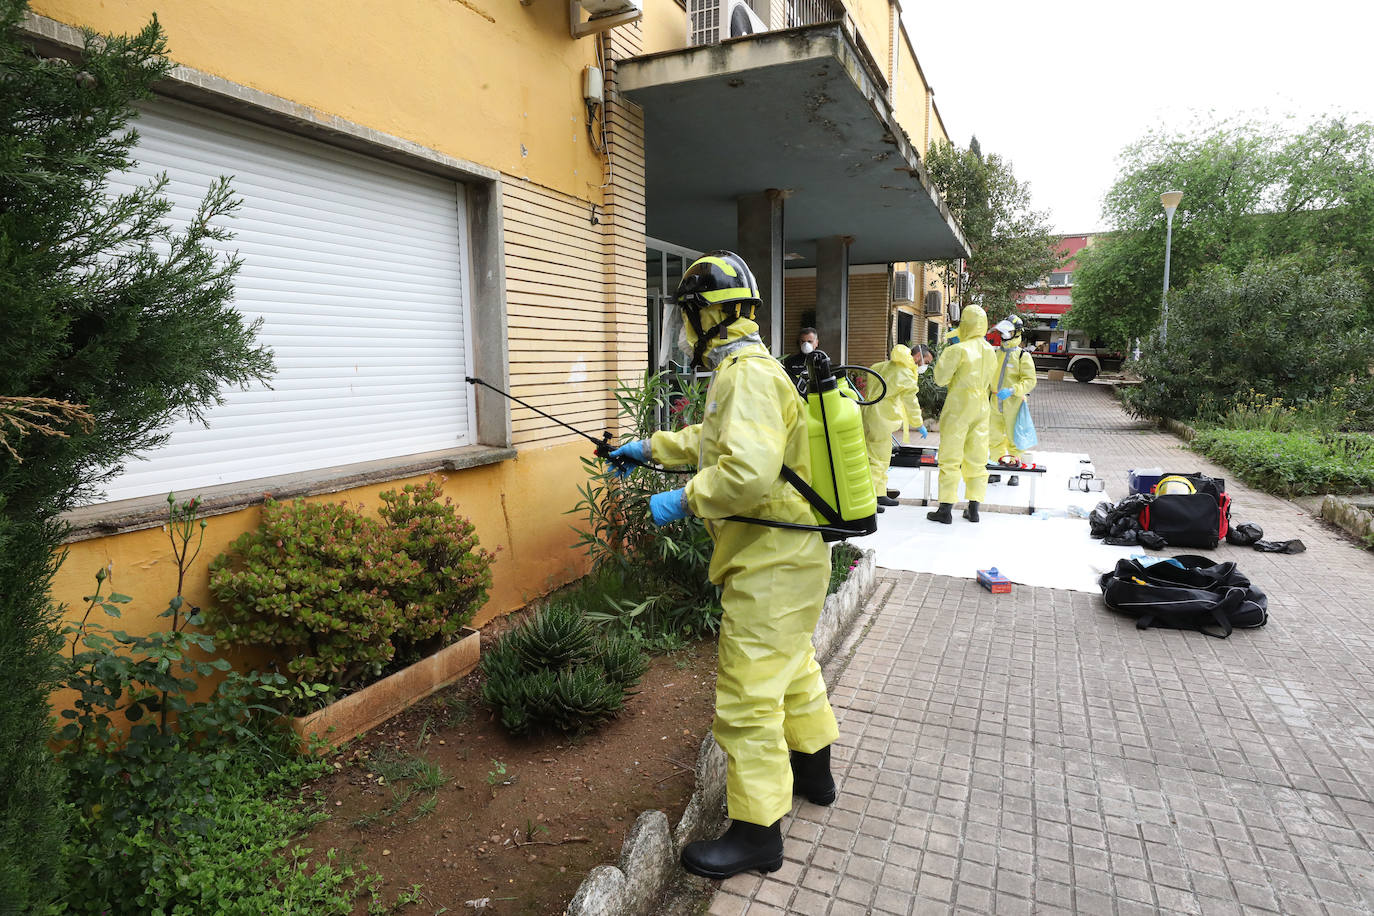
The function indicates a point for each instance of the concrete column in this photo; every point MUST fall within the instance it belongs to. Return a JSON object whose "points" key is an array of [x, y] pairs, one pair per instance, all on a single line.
{"points": [[761, 246], [832, 295]]}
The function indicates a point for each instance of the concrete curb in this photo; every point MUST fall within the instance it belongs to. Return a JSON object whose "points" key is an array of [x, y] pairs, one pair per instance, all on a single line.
{"points": [[648, 859], [1182, 430], [1345, 514]]}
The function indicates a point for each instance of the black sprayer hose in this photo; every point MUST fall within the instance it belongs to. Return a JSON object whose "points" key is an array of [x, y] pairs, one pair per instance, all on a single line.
{"points": [[603, 445]]}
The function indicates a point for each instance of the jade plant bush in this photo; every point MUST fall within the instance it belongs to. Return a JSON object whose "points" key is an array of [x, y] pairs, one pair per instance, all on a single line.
{"points": [[557, 673], [341, 594]]}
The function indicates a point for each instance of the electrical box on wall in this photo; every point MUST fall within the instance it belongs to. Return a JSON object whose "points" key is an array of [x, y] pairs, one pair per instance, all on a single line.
{"points": [[593, 86]]}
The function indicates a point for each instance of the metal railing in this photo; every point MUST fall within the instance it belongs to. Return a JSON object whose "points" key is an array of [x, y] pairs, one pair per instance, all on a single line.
{"points": [[811, 12]]}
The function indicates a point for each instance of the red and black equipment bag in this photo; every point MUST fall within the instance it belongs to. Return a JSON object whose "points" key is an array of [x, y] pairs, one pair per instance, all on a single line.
{"points": [[1198, 519]]}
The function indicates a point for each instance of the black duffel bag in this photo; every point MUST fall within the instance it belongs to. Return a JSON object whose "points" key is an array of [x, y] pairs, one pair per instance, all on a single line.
{"points": [[1203, 595]]}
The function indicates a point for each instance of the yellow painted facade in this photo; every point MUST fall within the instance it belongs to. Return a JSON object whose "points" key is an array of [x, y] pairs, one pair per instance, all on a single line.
{"points": [[490, 81], [498, 84]]}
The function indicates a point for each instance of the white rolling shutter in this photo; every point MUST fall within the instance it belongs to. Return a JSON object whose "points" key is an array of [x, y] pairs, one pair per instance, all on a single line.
{"points": [[355, 266]]}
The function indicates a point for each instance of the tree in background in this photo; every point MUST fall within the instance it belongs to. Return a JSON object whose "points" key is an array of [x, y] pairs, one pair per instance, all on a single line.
{"points": [[106, 309], [1250, 192], [1273, 331], [1013, 246]]}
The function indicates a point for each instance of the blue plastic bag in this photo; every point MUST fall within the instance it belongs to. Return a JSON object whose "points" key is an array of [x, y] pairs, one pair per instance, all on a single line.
{"points": [[1023, 433]]}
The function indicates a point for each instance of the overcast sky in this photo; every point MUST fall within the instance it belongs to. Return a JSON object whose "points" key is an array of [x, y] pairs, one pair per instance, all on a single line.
{"points": [[1060, 88]]}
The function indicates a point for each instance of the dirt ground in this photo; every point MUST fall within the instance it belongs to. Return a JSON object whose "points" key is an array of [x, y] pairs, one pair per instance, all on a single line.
{"points": [[517, 822]]}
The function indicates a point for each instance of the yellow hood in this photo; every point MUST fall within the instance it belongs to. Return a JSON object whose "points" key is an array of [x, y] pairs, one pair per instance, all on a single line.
{"points": [[901, 356], [973, 323]]}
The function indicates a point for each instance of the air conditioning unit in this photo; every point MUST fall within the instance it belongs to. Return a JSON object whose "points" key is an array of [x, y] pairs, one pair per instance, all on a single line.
{"points": [[903, 286], [933, 302], [710, 22], [599, 8]]}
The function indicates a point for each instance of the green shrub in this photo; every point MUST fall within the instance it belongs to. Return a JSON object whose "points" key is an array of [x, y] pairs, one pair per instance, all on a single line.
{"points": [[312, 582], [554, 672], [1292, 463], [344, 594], [187, 806], [453, 576], [1274, 330], [653, 580]]}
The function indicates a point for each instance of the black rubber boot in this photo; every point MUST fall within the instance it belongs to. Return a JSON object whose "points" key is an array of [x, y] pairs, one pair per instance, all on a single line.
{"points": [[942, 514], [743, 847], [1014, 480], [880, 510], [893, 494], [971, 511], [994, 478], [811, 777], [887, 501]]}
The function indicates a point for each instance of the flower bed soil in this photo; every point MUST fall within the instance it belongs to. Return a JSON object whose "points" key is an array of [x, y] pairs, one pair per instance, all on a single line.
{"points": [[519, 822]]}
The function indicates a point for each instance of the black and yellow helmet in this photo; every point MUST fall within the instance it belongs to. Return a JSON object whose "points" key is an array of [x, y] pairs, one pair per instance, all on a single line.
{"points": [[716, 278]]}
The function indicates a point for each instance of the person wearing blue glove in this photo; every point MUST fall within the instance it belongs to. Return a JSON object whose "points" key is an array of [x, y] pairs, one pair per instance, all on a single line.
{"points": [[1015, 377], [669, 506], [773, 719], [624, 459], [900, 408]]}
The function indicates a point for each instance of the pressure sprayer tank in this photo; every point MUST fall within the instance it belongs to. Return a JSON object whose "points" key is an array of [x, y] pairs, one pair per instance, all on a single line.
{"points": [[839, 456]]}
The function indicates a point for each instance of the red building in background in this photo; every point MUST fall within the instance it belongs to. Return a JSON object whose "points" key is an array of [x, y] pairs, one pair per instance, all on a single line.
{"points": [[1053, 345]]}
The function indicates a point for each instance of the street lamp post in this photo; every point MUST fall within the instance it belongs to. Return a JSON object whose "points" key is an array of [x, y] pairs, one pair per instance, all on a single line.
{"points": [[1170, 201]]}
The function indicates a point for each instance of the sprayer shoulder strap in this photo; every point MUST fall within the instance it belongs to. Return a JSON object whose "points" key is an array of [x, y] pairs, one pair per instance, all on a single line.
{"points": [[811, 496]]}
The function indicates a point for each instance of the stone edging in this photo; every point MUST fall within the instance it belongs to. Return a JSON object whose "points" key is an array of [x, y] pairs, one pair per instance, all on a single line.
{"points": [[1182, 430], [1343, 513], [648, 859]]}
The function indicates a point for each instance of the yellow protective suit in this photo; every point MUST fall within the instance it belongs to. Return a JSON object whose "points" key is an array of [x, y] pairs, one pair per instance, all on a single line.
{"points": [[968, 369], [770, 696], [1015, 370], [899, 407]]}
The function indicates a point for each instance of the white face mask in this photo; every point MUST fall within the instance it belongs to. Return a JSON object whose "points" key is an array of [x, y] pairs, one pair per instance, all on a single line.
{"points": [[807, 346], [921, 368]]}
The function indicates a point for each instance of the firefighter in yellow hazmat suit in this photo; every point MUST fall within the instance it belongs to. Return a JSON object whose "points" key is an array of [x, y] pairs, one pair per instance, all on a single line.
{"points": [[1015, 370], [773, 718], [968, 369], [899, 409]]}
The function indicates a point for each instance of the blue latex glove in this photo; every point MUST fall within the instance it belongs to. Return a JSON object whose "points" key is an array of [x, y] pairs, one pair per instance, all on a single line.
{"points": [[1003, 393], [624, 459], [952, 339], [924, 432], [669, 506]]}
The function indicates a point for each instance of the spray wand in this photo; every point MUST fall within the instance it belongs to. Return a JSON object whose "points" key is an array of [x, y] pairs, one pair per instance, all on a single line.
{"points": [[604, 446]]}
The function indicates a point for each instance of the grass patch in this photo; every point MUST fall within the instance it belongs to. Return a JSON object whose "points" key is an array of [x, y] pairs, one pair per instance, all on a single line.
{"points": [[843, 558], [1292, 463]]}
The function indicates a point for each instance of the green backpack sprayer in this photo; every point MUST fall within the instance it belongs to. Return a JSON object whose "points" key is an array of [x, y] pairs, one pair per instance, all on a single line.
{"points": [[840, 491]]}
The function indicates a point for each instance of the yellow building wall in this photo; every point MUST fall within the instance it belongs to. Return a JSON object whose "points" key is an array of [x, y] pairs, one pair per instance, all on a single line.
{"points": [[664, 26], [909, 97], [490, 81], [874, 19], [510, 505]]}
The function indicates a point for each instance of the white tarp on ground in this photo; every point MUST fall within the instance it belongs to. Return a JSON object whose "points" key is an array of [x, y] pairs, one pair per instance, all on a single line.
{"points": [[1050, 549], [1052, 493]]}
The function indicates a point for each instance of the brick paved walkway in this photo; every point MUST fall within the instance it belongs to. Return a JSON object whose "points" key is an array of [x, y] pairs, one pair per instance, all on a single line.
{"points": [[1034, 753]]}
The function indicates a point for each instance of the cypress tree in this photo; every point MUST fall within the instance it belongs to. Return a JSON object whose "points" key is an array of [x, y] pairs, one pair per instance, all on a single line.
{"points": [[104, 307]]}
